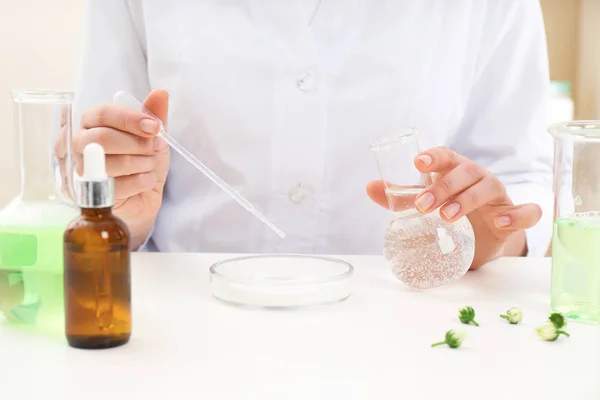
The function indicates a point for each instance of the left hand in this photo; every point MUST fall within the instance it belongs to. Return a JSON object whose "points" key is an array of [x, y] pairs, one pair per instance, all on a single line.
{"points": [[463, 187]]}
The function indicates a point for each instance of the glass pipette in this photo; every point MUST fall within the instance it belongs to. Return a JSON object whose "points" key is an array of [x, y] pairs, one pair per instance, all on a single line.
{"points": [[128, 100]]}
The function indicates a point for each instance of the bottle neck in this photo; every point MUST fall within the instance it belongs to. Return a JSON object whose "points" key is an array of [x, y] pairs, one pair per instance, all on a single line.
{"points": [[96, 194], [36, 124], [97, 213]]}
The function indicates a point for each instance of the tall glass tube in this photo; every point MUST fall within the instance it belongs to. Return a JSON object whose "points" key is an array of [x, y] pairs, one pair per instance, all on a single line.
{"points": [[32, 224], [423, 251]]}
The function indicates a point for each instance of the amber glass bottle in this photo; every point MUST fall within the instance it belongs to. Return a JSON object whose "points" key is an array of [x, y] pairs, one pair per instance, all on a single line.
{"points": [[97, 264]]}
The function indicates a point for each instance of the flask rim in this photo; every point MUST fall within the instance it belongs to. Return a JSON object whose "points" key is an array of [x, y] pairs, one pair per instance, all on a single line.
{"points": [[385, 141], [42, 96], [583, 128]]}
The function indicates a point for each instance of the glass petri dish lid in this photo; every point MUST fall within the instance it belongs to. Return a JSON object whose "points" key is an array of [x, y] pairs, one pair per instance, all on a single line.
{"points": [[281, 281]]}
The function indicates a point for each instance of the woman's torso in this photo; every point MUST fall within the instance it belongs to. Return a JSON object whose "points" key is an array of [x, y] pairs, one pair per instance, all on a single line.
{"points": [[285, 112]]}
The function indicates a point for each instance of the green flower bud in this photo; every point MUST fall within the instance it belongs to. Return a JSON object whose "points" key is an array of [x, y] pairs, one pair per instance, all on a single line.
{"points": [[466, 315], [453, 339], [558, 320]]}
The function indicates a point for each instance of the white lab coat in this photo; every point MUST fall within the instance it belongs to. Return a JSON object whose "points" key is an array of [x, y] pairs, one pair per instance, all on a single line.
{"points": [[284, 109]]}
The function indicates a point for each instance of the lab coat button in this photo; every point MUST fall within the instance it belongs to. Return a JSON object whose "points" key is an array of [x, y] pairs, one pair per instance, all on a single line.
{"points": [[300, 193], [306, 82]]}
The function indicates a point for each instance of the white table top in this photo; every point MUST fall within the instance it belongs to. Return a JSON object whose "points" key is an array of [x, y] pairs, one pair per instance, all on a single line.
{"points": [[375, 345]]}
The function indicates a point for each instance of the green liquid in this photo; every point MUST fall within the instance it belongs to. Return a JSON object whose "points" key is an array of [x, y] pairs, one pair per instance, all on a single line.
{"points": [[576, 267], [31, 277]]}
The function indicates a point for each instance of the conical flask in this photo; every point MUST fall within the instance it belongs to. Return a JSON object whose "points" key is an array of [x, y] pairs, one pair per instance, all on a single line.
{"points": [[423, 251], [32, 224]]}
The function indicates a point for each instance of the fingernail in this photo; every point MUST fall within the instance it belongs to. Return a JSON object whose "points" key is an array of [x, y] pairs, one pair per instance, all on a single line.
{"points": [[425, 201], [427, 160], [159, 144], [451, 210], [503, 221], [148, 125]]}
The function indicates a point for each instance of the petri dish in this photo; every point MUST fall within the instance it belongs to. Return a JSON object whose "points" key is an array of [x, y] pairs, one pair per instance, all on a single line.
{"points": [[281, 281]]}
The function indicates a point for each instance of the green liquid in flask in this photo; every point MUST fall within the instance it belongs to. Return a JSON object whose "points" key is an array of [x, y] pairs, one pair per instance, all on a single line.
{"points": [[576, 267], [31, 266]]}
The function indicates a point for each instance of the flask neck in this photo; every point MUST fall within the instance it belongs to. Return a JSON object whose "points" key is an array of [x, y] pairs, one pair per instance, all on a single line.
{"points": [[395, 157], [38, 125]]}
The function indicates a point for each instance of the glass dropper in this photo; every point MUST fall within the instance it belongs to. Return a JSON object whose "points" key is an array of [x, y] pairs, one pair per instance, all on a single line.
{"points": [[128, 100]]}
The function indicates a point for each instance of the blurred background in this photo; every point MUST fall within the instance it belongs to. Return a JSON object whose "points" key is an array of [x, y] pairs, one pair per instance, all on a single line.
{"points": [[572, 31]]}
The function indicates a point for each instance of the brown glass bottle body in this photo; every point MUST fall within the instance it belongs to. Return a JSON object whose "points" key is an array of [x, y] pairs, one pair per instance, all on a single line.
{"points": [[97, 280]]}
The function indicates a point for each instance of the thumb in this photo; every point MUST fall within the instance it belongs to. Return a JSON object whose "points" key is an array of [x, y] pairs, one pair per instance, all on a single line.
{"points": [[157, 103], [376, 192]]}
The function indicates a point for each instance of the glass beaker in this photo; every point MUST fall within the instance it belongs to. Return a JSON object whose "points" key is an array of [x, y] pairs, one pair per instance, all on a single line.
{"points": [[424, 251], [32, 224], [575, 284]]}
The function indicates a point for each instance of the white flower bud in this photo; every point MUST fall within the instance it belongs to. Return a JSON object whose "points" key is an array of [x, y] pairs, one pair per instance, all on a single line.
{"points": [[459, 336], [514, 315], [547, 332]]}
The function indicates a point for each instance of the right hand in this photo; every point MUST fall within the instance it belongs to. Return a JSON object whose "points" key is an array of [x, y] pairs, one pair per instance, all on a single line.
{"points": [[137, 160]]}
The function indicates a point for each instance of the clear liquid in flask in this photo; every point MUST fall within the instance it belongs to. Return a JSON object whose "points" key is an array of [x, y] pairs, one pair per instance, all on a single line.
{"points": [[424, 251]]}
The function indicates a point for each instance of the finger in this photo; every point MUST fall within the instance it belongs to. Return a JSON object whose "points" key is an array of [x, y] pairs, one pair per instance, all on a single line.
{"points": [[60, 148], [63, 116], [120, 117], [398, 199], [123, 165], [60, 145], [449, 185], [376, 192], [489, 190], [64, 185], [523, 216], [157, 102], [438, 159], [131, 185], [78, 158], [113, 141]]}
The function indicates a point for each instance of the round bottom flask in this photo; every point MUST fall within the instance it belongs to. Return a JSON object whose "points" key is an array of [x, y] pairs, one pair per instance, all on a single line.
{"points": [[425, 252]]}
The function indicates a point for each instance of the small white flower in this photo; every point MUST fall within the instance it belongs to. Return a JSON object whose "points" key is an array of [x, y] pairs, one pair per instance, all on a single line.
{"points": [[550, 332], [459, 336], [513, 316], [547, 332]]}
